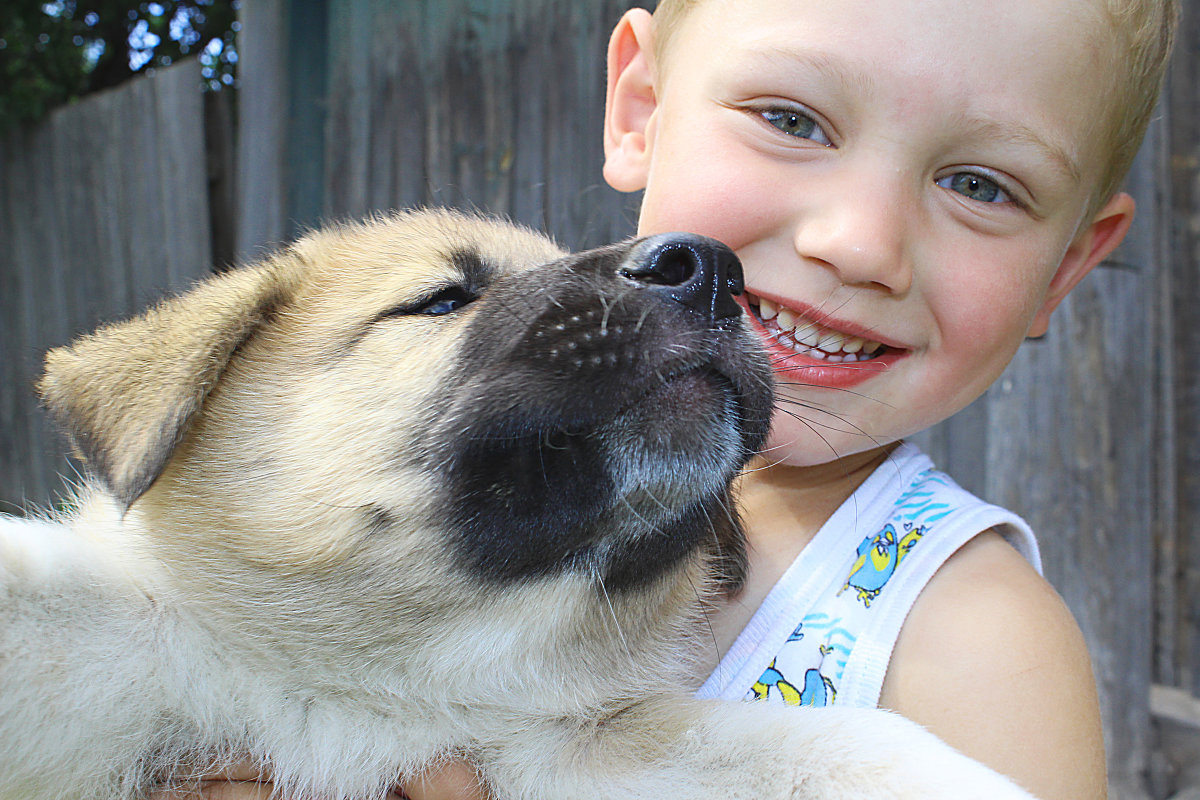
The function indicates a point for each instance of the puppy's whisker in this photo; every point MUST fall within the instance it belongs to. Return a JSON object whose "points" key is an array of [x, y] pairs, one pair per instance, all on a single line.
{"points": [[616, 620]]}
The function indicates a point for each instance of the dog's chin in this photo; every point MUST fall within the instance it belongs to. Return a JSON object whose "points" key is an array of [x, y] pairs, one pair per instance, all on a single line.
{"points": [[623, 499]]}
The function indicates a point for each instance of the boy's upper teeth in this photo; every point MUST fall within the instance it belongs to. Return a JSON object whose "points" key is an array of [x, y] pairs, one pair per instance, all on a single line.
{"points": [[809, 334]]}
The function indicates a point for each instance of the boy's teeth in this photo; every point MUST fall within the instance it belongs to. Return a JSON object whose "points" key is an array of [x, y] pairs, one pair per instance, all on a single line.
{"points": [[808, 336], [823, 343], [831, 342]]}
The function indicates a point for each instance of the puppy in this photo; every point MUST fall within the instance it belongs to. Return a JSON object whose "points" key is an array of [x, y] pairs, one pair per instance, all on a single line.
{"points": [[419, 488]]}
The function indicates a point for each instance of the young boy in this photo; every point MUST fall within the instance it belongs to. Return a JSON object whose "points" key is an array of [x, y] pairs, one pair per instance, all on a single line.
{"points": [[913, 187]]}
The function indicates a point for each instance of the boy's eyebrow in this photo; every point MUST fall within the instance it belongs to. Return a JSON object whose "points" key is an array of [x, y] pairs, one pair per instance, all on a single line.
{"points": [[982, 127], [1024, 135]]}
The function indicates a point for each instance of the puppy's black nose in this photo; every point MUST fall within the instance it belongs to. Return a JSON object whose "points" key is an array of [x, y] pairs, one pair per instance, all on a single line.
{"points": [[699, 272]]}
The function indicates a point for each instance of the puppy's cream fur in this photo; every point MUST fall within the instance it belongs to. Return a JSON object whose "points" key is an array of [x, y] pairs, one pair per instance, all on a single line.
{"points": [[263, 565]]}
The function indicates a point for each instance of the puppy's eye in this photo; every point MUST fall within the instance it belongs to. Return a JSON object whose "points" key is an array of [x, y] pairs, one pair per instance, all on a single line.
{"points": [[446, 301], [438, 304]]}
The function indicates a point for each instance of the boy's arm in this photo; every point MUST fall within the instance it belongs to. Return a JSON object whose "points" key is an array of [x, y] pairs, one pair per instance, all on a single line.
{"points": [[991, 660]]}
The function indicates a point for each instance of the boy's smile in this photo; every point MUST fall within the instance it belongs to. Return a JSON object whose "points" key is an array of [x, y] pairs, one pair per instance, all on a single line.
{"points": [[830, 352], [906, 193]]}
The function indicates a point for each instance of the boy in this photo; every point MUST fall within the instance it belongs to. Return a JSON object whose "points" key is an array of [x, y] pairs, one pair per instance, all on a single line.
{"points": [[920, 183], [913, 187]]}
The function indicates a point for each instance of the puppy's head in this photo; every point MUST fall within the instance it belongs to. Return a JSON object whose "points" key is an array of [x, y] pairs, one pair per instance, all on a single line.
{"points": [[432, 385]]}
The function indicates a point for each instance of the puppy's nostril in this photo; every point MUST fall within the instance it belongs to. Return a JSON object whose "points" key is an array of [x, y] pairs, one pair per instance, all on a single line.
{"points": [[700, 273], [668, 266]]}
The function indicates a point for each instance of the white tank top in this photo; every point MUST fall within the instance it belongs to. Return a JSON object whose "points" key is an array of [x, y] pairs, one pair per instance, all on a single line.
{"points": [[825, 633]]}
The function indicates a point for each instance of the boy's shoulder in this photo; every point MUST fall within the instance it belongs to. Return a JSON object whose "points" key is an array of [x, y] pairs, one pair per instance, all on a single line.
{"points": [[989, 596], [991, 659]]}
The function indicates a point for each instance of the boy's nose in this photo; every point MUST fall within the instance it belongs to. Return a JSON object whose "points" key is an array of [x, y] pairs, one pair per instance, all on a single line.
{"points": [[700, 273], [862, 236]]}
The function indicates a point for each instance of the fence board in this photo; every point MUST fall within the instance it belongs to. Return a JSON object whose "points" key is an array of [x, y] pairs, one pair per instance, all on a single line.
{"points": [[1179, 661], [105, 206], [473, 103], [262, 189]]}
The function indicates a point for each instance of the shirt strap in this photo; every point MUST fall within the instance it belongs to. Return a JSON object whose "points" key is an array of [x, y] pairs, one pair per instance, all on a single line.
{"points": [[867, 666]]}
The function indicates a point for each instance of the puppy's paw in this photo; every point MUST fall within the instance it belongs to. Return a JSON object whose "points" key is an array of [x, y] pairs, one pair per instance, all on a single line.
{"points": [[835, 753], [878, 755]]}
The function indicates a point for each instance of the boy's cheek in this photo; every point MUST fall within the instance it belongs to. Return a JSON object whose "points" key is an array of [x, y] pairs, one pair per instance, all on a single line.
{"points": [[724, 214]]}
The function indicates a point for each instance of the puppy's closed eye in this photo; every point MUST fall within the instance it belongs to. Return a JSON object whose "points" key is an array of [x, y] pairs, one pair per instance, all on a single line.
{"points": [[436, 304], [446, 301]]}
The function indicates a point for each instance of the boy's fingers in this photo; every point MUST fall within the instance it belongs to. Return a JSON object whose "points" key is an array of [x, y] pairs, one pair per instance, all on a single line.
{"points": [[236, 790], [243, 781], [454, 780], [217, 790]]}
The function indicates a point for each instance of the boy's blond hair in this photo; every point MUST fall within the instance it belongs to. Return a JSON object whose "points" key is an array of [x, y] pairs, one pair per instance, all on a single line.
{"points": [[1143, 33]]}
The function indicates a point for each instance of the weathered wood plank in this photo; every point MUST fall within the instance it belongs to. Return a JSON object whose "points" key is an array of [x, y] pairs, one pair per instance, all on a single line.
{"points": [[262, 109], [182, 175], [1180, 568], [20, 464], [105, 207], [473, 103]]}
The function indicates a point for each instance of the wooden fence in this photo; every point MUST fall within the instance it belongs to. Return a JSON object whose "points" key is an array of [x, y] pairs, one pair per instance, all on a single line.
{"points": [[347, 106], [103, 206]]}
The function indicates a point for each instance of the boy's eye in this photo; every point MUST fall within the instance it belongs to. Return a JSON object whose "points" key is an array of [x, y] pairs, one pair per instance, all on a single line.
{"points": [[796, 123], [975, 187]]}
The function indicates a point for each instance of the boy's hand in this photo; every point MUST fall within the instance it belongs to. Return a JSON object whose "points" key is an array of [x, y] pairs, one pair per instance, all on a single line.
{"points": [[243, 782], [453, 781]]}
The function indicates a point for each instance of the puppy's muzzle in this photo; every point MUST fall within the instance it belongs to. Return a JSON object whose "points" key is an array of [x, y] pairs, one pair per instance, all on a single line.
{"points": [[604, 405]]}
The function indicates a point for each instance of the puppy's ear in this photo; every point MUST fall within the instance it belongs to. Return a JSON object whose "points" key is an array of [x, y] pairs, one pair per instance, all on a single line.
{"points": [[127, 393]]}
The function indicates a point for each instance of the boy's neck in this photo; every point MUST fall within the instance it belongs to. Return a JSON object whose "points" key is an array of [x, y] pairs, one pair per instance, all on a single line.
{"points": [[782, 508], [802, 498]]}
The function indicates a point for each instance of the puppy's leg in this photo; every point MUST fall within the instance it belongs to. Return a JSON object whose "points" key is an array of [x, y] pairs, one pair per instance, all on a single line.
{"points": [[78, 703], [698, 750]]}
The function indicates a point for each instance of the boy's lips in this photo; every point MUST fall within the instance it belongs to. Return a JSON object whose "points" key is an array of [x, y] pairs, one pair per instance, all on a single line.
{"points": [[816, 350]]}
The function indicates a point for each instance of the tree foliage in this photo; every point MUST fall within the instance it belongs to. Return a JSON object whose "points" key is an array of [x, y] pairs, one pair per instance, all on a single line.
{"points": [[54, 51]]}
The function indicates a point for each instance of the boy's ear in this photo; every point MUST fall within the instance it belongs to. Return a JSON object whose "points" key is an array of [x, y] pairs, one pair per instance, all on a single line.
{"points": [[630, 102], [1090, 247]]}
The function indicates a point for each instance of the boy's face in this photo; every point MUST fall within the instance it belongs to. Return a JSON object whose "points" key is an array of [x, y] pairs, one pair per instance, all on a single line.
{"points": [[905, 180]]}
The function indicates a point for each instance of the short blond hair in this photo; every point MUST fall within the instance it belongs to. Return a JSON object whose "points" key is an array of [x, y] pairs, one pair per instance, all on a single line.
{"points": [[1143, 33]]}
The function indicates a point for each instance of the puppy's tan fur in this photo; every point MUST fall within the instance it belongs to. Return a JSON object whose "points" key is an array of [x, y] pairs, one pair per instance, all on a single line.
{"points": [[262, 569]]}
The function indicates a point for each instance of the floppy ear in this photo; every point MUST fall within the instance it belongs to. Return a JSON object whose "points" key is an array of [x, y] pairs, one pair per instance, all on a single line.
{"points": [[127, 393]]}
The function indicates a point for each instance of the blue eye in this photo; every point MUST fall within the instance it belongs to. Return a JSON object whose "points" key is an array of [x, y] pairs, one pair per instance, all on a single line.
{"points": [[975, 187], [444, 302], [438, 304], [796, 123]]}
